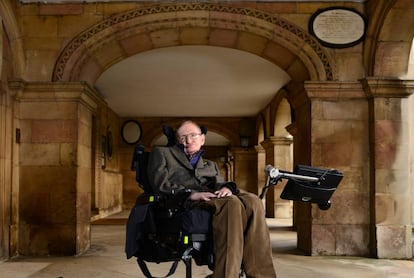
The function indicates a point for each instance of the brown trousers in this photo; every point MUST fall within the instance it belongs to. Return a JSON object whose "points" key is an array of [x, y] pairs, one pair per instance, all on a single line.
{"points": [[241, 236]]}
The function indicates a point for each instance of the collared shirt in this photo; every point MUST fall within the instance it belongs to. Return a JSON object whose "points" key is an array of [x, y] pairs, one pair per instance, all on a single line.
{"points": [[194, 157]]}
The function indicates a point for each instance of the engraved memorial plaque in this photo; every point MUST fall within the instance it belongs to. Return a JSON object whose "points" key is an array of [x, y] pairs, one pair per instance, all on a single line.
{"points": [[337, 27]]}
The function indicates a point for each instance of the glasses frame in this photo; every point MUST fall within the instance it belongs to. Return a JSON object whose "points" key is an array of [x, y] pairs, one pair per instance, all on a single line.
{"points": [[192, 136]]}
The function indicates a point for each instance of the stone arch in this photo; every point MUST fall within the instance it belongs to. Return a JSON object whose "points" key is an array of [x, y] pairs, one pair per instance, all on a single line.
{"points": [[260, 129], [388, 44], [231, 135], [132, 32], [278, 115], [11, 28], [282, 118]]}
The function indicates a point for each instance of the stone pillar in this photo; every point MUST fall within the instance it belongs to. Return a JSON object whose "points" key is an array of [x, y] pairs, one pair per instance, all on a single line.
{"points": [[55, 166], [245, 165], [390, 184], [261, 163], [296, 213], [301, 154], [338, 140], [7, 214], [279, 154]]}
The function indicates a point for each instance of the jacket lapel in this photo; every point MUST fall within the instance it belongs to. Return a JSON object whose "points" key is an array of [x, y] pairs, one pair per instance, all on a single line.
{"points": [[200, 163], [181, 157]]}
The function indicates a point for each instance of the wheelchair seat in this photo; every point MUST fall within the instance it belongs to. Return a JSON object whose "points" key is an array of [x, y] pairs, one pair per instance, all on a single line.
{"points": [[160, 229]]}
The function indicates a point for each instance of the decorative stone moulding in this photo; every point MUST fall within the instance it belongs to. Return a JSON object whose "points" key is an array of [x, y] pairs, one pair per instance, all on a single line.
{"points": [[317, 59]]}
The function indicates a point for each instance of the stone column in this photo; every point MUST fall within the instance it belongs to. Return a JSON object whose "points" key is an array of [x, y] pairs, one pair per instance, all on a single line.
{"points": [[279, 154], [245, 165], [55, 166], [261, 163], [7, 212], [390, 184], [296, 213]]}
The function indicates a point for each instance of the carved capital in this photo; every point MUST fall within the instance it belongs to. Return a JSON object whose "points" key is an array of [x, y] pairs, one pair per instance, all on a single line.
{"points": [[334, 90], [274, 141], [387, 88]]}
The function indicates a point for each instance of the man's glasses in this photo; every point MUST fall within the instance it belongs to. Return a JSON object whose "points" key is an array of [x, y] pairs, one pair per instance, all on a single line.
{"points": [[191, 136]]}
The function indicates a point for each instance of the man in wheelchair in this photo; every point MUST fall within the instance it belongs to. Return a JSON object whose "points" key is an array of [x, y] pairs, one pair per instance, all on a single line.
{"points": [[239, 229]]}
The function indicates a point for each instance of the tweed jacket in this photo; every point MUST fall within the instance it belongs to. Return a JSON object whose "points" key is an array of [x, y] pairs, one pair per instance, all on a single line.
{"points": [[170, 171]]}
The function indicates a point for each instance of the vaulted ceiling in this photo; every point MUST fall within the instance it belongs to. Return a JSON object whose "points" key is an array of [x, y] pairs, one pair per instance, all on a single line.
{"points": [[191, 81]]}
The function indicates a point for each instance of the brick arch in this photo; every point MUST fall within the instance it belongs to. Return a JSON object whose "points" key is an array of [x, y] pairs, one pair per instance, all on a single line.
{"points": [[125, 34]]}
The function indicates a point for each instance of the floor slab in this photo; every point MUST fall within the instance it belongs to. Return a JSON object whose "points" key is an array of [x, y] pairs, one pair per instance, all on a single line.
{"points": [[106, 259]]}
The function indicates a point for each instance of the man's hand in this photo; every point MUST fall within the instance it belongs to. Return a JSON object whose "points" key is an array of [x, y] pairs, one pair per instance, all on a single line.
{"points": [[223, 192], [202, 196], [207, 196]]}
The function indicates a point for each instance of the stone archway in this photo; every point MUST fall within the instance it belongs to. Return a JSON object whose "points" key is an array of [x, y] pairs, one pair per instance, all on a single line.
{"points": [[388, 44], [15, 38], [129, 33], [268, 36], [277, 146]]}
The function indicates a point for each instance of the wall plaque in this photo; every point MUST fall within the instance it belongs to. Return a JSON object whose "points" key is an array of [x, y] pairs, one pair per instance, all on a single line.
{"points": [[131, 132], [337, 27]]}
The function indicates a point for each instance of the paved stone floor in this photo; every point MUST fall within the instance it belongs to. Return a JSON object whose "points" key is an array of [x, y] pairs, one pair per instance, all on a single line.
{"points": [[106, 259]]}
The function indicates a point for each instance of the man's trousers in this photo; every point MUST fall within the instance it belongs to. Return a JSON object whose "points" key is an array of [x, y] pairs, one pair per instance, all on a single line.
{"points": [[241, 236]]}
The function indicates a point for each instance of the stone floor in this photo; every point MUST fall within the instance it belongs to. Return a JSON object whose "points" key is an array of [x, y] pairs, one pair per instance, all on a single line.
{"points": [[106, 259]]}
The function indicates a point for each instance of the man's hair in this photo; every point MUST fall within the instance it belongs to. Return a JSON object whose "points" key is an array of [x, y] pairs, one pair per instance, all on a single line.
{"points": [[185, 123], [203, 129]]}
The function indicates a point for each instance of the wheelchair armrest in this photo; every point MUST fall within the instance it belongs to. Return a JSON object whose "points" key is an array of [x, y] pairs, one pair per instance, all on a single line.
{"points": [[176, 200], [148, 198], [169, 204]]}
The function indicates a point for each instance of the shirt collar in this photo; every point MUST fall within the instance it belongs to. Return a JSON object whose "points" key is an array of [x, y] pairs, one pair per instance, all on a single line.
{"points": [[194, 157]]}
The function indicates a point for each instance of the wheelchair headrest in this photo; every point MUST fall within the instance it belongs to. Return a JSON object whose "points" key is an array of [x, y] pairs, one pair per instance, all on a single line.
{"points": [[203, 130], [170, 134]]}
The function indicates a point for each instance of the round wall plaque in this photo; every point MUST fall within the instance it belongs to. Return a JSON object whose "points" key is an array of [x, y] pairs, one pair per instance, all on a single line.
{"points": [[337, 27], [131, 132]]}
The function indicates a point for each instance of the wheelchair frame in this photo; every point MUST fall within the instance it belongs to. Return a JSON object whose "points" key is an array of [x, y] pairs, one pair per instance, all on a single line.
{"points": [[305, 184], [186, 244]]}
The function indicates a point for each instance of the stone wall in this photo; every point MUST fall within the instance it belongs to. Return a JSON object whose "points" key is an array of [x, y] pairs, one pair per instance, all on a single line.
{"points": [[48, 175], [340, 140], [56, 172], [108, 180]]}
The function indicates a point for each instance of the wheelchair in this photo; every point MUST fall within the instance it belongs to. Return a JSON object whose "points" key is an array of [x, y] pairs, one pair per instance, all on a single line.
{"points": [[160, 229]]}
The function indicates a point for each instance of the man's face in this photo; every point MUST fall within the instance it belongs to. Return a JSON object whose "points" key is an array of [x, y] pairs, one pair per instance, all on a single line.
{"points": [[191, 137]]}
